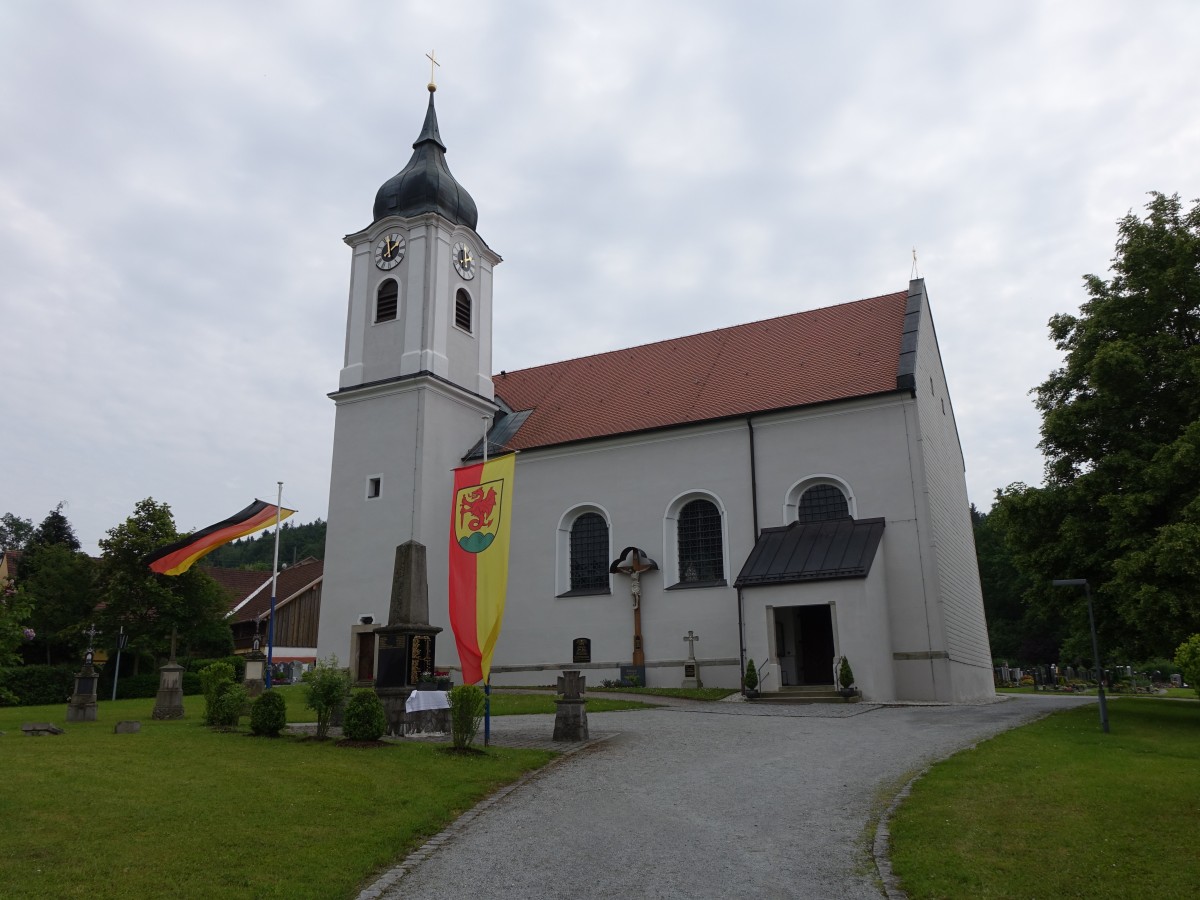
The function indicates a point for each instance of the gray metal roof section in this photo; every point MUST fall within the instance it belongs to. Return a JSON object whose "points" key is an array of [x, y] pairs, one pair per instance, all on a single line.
{"points": [[425, 184], [504, 426], [906, 371], [815, 551]]}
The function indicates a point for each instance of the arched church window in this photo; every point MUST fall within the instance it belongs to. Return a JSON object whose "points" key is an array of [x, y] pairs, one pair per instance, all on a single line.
{"points": [[822, 502], [698, 535], [589, 553], [386, 300], [462, 309]]}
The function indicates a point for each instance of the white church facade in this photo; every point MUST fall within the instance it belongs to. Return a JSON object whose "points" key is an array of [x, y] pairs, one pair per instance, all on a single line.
{"points": [[798, 482]]}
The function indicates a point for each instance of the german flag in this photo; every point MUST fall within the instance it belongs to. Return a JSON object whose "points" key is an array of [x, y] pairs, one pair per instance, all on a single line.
{"points": [[177, 558], [479, 537]]}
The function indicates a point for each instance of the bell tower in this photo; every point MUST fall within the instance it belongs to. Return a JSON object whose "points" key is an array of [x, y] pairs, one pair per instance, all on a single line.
{"points": [[414, 391]]}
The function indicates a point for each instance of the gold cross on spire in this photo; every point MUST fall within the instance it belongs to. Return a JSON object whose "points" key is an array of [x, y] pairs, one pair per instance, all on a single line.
{"points": [[432, 57]]}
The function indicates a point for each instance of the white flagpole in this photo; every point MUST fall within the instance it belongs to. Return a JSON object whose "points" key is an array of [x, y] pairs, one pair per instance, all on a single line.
{"points": [[274, 583]]}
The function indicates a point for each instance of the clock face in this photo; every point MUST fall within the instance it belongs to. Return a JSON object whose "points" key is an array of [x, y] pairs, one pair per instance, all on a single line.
{"points": [[464, 263], [389, 251]]}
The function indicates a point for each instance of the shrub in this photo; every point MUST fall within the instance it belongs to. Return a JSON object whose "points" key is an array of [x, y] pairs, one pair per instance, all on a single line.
{"points": [[1187, 657], [145, 685], [231, 704], [326, 689], [214, 678], [364, 719], [466, 712], [199, 665], [268, 714], [845, 674], [750, 679]]}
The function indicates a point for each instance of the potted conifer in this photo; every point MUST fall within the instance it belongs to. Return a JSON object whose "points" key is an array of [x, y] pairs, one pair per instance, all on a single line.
{"points": [[750, 680], [846, 680]]}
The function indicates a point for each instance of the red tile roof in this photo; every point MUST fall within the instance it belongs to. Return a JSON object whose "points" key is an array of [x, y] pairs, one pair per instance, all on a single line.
{"points": [[242, 583], [835, 353]]}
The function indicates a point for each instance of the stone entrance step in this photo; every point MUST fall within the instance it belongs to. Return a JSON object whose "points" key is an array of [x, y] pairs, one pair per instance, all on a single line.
{"points": [[819, 693]]}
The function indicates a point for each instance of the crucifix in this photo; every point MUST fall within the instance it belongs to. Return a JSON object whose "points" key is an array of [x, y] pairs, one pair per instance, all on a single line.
{"points": [[91, 648], [432, 57], [633, 562]]}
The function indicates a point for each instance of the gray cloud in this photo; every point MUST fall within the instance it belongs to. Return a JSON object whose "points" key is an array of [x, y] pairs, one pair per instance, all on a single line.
{"points": [[176, 178]]}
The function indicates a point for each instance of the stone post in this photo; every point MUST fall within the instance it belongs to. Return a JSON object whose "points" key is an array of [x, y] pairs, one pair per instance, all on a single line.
{"points": [[570, 721]]}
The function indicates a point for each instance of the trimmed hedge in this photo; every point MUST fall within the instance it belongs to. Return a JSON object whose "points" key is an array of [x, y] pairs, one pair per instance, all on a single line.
{"points": [[238, 663], [38, 685]]}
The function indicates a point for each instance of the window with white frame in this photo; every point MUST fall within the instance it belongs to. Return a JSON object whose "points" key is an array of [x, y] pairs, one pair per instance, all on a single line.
{"points": [[699, 542]]}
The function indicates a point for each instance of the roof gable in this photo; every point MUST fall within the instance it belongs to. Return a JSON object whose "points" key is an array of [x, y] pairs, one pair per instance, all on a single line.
{"points": [[834, 353]]}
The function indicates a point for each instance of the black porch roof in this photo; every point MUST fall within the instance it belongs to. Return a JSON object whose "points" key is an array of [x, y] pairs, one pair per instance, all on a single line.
{"points": [[815, 551]]}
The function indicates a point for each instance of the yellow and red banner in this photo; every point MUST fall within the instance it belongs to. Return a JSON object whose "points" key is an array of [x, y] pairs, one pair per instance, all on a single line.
{"points": [[479, 537], [177, 558]]}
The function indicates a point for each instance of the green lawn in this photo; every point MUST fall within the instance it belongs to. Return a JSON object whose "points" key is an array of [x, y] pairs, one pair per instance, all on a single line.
{"points": [[1059, 809], [181, 811]]}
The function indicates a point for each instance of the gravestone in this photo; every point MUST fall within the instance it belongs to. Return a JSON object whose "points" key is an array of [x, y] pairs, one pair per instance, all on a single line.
{"points": [[127, 727], [691, 669], [406, 646], [82, 705], [39, 729], [570, 720], [168, 703], [581, 650]]}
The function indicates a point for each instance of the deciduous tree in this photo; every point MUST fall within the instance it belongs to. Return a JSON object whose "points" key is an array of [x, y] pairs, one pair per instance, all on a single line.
{"points": [[149, 605], [1121, 436]]}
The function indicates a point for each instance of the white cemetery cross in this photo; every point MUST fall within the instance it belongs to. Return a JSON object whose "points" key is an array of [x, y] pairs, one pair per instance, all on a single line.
{"points": [[691, 669]]}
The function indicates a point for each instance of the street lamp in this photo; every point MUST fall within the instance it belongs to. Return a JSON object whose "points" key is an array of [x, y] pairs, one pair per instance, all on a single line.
{"points": [[1082, 582]]}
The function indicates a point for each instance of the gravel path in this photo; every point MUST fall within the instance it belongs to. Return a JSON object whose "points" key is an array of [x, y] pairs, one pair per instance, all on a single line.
{"points": [[702, 800]]}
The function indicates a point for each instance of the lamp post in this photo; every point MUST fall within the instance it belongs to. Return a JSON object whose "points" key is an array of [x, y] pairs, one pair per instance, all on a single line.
{"points": [[1082, 582]]}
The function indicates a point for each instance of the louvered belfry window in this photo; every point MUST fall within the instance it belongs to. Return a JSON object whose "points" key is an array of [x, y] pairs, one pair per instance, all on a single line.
{"points": [[589, 553], [822, 502], [386, 300], [699, 539], [462, 310]]}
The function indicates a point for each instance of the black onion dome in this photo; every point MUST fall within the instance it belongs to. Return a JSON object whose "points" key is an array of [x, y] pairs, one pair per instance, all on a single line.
{"points": [[425, 184]]}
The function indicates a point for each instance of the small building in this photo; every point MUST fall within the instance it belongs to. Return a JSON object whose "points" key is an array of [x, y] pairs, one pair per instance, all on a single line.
{"points": [[297, 608]]}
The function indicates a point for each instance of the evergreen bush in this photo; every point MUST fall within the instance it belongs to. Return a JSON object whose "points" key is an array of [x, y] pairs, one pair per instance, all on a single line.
{"points": [[364, 719], [466, 712], [268, 714], [750, 679], [845, 675], [326, 689], [214, 678], [230, 706], [238, 663]]}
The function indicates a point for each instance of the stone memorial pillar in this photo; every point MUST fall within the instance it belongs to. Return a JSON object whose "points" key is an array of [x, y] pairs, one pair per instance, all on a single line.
{"points": [[406, 646], [570, 721]]}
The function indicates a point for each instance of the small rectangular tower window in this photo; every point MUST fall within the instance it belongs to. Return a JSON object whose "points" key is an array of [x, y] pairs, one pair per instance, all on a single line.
{"points": [[386, 301], [462, 310], [374, 483]]}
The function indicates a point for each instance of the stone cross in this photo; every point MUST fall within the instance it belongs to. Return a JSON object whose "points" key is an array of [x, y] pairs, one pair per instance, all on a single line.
{"points": [[571, 684], [691, 642]]}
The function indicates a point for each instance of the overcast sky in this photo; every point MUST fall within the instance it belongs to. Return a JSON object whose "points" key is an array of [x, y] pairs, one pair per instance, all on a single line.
{"points": [[176, 180]]}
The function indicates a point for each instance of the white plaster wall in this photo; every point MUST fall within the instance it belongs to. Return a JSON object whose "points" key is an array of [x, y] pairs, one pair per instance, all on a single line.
{"points": [[951, 539], [411, 434], [860, 626]]}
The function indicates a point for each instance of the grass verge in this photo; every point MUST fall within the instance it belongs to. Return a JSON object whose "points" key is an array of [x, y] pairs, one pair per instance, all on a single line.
{"points": [[181, 811], [1059, 809]]}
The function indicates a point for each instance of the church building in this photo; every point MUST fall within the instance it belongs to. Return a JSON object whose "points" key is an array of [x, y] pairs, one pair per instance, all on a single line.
{"points": [[788, 491]]}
